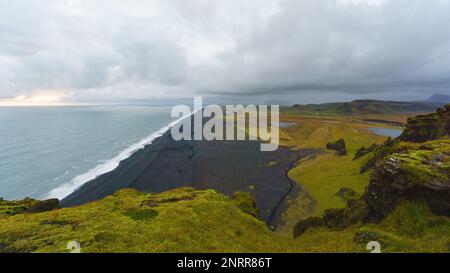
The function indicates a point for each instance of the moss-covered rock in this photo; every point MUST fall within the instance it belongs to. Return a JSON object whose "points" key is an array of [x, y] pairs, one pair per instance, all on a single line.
{"points": [[338, 146], [27, 205], [363, 237], [335, 219], [428, 127], [246, 202], [364, 151], [379, 153], [308, 223], [419, 173], [346, 194]]}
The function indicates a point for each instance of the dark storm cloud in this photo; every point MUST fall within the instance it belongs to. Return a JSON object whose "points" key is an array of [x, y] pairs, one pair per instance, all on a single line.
{"points": [[320, 45], [141, 49]]}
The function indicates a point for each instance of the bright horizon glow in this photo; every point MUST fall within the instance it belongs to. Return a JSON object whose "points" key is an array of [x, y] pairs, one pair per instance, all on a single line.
{"points": [[38, 99]]}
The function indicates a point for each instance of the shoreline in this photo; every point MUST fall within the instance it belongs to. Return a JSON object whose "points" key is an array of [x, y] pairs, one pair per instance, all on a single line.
{"points": [[105, 184], [64, 190], [224, 166]]}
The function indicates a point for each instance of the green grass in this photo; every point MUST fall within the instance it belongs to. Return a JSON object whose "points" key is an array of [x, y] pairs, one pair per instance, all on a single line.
{"points": [[186, 220], [177, 221], [426, 161], [325, 175], [411, 228]]}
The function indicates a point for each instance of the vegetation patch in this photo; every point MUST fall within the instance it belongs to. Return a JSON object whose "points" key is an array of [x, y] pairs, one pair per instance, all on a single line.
{"points": [[326, 175], [141, 214], [364, 151], [246, 203], [347, 194]]}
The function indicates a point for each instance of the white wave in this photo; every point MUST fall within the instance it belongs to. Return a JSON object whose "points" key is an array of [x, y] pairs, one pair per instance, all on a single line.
{"points": [[66, 189]]}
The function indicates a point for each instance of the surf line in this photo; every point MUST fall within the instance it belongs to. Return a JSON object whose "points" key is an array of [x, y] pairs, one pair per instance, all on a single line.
{"points": [[77, 182]]}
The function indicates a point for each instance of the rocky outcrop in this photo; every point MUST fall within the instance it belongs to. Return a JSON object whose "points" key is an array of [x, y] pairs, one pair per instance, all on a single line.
{"points": [[246, 202], [28, 205], [379, 153], [428, 127], [413, 168], [335, 219], [346, 194], [338, 146], [365, 151], [418, 175]]}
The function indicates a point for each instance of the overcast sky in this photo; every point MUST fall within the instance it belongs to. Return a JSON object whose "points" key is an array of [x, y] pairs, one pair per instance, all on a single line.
{"points": [[310, 50]]}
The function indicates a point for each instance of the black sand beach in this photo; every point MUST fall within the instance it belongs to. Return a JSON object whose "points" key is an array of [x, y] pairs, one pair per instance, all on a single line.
{"points": [[226, 166]]}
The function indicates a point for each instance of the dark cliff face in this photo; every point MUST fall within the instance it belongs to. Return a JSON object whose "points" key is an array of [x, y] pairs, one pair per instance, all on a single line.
{"points": [[420, 176], [428, 127], [416, 167]]}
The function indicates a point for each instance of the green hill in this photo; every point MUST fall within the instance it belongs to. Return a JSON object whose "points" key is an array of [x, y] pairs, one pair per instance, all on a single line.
{"points": [[364, 107], [186, 220]]}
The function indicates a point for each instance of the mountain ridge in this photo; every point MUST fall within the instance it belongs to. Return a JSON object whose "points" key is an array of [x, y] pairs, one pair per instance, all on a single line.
{"points": [[439, 98], [365, 107]]}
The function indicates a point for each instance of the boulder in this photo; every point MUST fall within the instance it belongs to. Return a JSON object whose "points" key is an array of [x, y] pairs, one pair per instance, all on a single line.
{"points": [[338, 146]]}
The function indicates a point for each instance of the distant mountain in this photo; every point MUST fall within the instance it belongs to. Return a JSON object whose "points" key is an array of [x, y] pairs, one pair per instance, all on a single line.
{"points": [[439, 98], [361, 107]]}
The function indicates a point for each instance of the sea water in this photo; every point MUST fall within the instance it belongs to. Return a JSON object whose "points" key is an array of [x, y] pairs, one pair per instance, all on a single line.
{"points": [[48, 152]]}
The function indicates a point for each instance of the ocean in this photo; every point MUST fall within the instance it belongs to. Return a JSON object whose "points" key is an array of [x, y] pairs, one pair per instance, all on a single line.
{"points": [[49, 152]]}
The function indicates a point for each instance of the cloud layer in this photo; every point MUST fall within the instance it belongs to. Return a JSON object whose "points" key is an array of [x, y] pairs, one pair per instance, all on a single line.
{"points": [[119, 50]]}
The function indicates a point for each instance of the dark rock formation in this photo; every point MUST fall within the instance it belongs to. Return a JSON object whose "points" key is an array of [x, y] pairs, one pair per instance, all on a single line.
{"points": [[364, 151], [336, 219], [346, 194], [28, 205], [338, 146], [308, 223], [428, 127], [397, 179], [42, 206], [363, 237], [379, 153], [414, 172]]}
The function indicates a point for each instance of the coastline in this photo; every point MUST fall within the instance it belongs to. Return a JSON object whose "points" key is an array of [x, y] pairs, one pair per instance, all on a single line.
{"points": [[225, 166]]}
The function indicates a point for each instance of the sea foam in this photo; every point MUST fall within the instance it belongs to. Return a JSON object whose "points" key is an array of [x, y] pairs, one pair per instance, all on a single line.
{"points": [[66, 189]]}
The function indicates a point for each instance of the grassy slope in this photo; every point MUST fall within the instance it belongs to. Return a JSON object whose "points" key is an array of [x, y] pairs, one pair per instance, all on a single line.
{"points": [[186, 220], [323, 176], [411, 228], [183, 220]]}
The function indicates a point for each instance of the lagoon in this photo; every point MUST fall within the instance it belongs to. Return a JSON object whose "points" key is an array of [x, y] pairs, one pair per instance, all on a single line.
{"points": [[393, 133]]}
